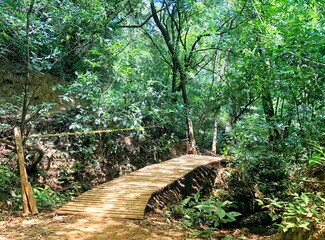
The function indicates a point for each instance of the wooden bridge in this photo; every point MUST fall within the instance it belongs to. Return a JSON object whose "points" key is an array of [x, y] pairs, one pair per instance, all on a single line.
{"points": [[128, 196]]}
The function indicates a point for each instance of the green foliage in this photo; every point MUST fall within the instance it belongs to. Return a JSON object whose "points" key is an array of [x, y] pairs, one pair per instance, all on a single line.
{"points": [[233, 238], [48, 199], [9, 191], [257, 66], [206, 215], [263, 163], [318, 157], [298, 212]]}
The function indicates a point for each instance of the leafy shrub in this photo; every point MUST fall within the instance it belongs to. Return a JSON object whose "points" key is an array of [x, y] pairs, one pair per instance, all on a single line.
{"points": [[205, 215], [265, 162], [47, 198], [9, 191], [299, 212], [318, 157], [266, 169]]}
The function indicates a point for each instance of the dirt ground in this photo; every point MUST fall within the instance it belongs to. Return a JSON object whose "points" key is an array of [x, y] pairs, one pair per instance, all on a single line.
{"points": [[52, 226]]}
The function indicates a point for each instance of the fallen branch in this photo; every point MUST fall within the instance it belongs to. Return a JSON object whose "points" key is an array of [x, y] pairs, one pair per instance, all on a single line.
{"points": [[307, 181]]}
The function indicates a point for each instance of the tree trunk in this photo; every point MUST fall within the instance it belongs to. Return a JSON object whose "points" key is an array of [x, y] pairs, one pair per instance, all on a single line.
{"points": [[190, 128], [215, 135], [191, 138], [228, 127], [177, 68], [269, 114], [25, 90], [174, 82]]}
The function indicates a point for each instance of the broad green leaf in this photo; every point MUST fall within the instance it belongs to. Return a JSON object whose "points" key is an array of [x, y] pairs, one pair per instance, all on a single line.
{"points": [[221, 213]]}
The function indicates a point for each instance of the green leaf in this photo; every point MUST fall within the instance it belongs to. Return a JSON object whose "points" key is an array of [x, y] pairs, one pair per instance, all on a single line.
{"points": [[304, 225], [204, 207], [221, 213], [234, 214], [197, 196], [219, 204], [226, 203], [305, 198], [259, 202]]}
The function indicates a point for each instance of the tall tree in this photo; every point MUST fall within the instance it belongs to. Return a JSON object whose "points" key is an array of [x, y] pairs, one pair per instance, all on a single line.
{"points": [[275, 58], [191, 46]]}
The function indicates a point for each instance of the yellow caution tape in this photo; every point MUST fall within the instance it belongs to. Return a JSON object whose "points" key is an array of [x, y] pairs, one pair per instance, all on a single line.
{"points": [[82, 133]]}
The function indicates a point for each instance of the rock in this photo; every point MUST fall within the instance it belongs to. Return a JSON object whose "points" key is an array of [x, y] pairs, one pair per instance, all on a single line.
{"points": [[256, 218]]}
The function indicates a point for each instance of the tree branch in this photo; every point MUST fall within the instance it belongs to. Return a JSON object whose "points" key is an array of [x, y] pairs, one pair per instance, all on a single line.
{"points": [[157, 47], [138, 25], [307, 59], [251, 101], [308, 181]]}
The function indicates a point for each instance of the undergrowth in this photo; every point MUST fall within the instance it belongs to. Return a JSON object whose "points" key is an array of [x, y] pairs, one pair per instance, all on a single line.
{"points": [[205, 215]]}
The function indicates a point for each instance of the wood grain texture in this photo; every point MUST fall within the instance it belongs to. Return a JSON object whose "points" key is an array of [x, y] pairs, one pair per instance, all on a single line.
{"points": [[128, 196]]}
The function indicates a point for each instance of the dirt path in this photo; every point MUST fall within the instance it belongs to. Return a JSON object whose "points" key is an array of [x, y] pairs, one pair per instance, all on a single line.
{"points": [[50, 226], [66, 227]]}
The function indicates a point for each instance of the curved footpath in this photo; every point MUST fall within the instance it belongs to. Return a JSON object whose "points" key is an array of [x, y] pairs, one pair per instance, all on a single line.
{"points": [[127, 196]]}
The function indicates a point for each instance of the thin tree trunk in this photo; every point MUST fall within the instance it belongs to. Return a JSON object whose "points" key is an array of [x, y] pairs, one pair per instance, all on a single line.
{"points": [[191, 138], [190, 128], [25, 91], [174, 82], [223, 67], [215, 134], [228, 126], [269, 114]]}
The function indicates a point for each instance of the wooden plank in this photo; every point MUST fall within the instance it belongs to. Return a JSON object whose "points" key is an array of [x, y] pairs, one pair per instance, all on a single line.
{"points": [[99, 209], [109, 205], [115, 192], [75, 209], [118, 211], [105, 205], [141, 177], [90, 211], [132, 186], [131, 195], [110, 215], [121, 198], [127, 196], [109, 196], [119, 193], [125, 200]]}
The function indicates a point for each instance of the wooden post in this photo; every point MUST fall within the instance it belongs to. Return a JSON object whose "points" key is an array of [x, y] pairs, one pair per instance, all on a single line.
{"points": [[29, 202]]}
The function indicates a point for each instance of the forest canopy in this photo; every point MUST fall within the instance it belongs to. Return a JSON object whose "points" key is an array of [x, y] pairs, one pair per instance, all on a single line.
{"points": [[242, 78]]}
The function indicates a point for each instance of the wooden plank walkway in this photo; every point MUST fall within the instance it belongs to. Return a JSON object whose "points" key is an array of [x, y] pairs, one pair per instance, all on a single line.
{"points": [[127, 196]]}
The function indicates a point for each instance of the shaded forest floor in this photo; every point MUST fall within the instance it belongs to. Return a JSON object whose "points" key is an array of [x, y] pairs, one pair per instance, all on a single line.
{"points": [[52, 226]]}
